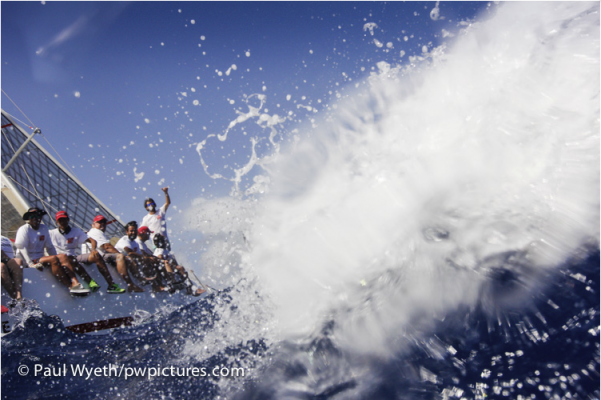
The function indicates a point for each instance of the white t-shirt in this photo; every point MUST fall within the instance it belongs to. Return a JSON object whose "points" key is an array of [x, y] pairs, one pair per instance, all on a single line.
{"points": [[124, 242], [30, 243], [142, 246], [70, 242], [161, 252], [100, 238], [7, 247], [156, 222]]}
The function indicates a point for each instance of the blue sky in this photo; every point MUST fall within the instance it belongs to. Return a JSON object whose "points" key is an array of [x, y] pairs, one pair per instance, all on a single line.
{"points": [[125, 88]]}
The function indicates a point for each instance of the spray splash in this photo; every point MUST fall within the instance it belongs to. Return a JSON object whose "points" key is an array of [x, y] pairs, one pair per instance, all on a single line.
{"points": [[462, 180], [491, 149]]}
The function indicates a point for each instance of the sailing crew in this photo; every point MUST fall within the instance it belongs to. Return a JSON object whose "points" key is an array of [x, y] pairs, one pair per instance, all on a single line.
{"points": [[12, 270], [155, 219], [129, 248], [31, 240], [161, 266], [143, 235], [162, 253], [108, 252], [67, 239]]}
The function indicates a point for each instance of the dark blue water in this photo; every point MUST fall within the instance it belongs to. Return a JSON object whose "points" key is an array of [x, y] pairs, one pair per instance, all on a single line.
{"points": [[550, 349]]}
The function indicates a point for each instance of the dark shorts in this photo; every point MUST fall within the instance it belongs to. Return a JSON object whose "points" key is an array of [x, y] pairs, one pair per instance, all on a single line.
{"points": [[111, 258]]}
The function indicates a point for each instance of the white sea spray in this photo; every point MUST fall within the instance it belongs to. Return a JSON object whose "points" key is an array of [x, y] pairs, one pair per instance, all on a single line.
{"points": [[398, 205]]}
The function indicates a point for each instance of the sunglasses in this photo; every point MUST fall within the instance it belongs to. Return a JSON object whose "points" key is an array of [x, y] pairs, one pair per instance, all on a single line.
{"points": [[150, 204]]}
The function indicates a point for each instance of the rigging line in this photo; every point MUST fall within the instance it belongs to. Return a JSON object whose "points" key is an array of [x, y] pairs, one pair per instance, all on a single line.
{"points": [[43, 202], [9, 142], [49, 144], [17, 119], [37, 195], [45, 138], [15, 104], [59, 156], [104, 211]]}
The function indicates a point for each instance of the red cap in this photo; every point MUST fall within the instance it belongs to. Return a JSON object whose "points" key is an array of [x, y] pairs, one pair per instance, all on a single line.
{"points": [[61, 214], [144, 229], [99, 218]]}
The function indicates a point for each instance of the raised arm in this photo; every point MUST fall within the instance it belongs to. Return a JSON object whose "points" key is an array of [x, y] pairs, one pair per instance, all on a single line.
{"points": [[167, 198]]}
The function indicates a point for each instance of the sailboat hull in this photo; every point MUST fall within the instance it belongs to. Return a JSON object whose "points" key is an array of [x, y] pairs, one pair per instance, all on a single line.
{"points": [[95, 313]]}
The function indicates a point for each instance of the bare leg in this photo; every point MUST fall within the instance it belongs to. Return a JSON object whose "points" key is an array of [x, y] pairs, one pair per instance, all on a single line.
{"points": [[182, 271], [133, 267], [7, 282], [184, 274], [168, 266], [122, 269], [157, 287], [158, 267], [102, 268], [65, 276], [149, 270], [15, 267], [72, 264]]}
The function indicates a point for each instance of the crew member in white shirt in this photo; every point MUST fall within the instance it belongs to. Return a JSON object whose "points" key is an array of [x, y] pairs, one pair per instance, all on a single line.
{"points": [[156, 220], [129, 248], [162, 266], [12, 270], [32, 238], [109, 253], [67, 240], [143, 236]]}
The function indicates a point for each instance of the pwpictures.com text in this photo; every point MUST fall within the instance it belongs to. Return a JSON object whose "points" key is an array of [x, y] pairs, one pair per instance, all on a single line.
{"points": [[122, 371]]}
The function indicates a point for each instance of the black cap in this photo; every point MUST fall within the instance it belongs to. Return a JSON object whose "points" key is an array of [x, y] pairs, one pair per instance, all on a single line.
{"points": [[32, 212]]}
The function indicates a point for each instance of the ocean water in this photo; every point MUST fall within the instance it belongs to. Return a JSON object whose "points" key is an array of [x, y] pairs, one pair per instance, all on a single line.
{"points": [[435, 235]]}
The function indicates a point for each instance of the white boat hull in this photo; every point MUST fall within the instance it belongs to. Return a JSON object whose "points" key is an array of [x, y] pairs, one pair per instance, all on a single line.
{"points": [[98, 312]]}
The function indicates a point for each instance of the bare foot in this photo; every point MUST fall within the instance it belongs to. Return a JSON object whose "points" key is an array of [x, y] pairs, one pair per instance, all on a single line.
{"points": [[134, 288], [199, 292]]}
